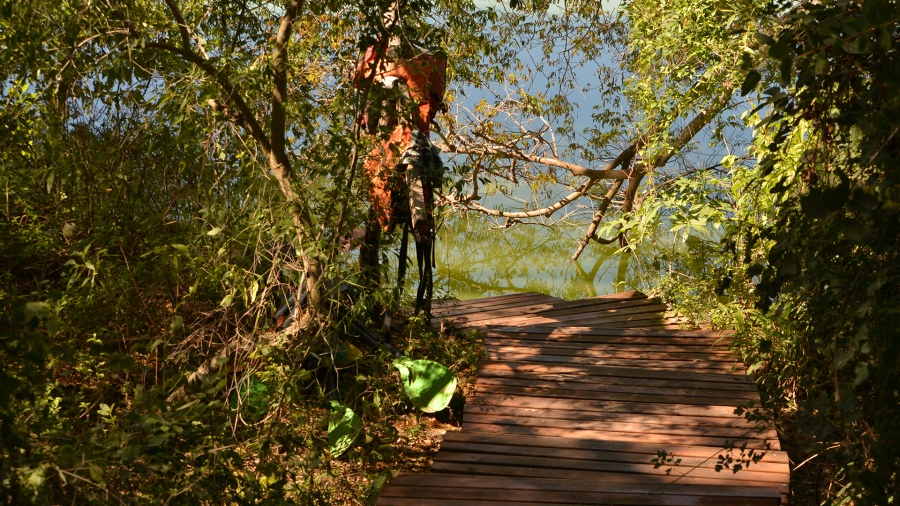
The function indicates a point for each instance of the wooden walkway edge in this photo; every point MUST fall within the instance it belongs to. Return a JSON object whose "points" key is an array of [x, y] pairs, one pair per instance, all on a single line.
{"points": [[599, 401]]}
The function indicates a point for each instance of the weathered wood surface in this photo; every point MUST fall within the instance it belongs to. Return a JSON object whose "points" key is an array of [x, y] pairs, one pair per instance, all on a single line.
{"points": [[577, 399], [620, 310]]}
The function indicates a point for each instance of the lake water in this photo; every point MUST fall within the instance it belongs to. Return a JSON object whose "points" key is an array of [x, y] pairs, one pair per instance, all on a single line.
{"points": [[475, 259]]}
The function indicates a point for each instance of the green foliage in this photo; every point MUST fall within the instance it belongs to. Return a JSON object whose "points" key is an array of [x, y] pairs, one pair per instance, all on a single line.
{"points": [[145, 244], [809, 267], [144, 226], [252, 396], [429, 385], [343, 428], [832, 268], [683, 53]]}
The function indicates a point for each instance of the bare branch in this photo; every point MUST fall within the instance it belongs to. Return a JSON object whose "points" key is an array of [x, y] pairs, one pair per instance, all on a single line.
{"points": [[545, 211], [578, 170], [611, 171]]}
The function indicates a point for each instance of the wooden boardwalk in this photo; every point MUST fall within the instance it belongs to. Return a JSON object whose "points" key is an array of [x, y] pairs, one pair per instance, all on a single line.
{"points": [[578, 398]]}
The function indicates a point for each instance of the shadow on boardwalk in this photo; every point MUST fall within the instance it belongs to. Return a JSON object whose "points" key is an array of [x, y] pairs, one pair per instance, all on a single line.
{"points": [[599, 401]]}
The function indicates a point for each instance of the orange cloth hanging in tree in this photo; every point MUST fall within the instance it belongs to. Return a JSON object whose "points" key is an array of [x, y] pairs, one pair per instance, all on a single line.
{"points": [[424, 78]]}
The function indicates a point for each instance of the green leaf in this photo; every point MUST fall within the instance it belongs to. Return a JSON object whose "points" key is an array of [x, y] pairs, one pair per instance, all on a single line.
{"points": [[36, 310], [346, 355], [862, 373], [750, 82], [342, 428], [214, 232], [176, 324], [254, 288], [181, 248], [252, 397], [429, 385]]}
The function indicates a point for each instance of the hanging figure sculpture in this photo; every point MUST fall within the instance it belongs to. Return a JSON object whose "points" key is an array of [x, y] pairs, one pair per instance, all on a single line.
{"points": [[406, 88]]}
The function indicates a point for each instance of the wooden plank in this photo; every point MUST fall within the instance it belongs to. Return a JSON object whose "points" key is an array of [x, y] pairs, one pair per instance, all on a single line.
{"points": [[614, 406], [594, 306], [648, 425], [530, 301], [621, 447], [636, 343], [672, 418], [513, 317], [624, 484], [500, 301], [711, 395], [590, 305], [600, 395], [498, 313], [485, 489], [649, 354], [518, 320], [536, 303], [659, 365], [637, 320], [708, 460], [600, 330], [611, 339], [662, 340], [547, 499], [658, 411], [493, 298], [615, 319], [586, 313], [625, 372], [752, 443], [620, 296], [478, 318], [412, 501], [608, 471], [497, 468], [655, 325], [614, 344], [713, 388]]}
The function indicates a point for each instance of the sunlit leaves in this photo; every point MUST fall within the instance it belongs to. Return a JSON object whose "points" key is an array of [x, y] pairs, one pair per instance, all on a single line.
{"points": [[430, 385], [343, 427]]}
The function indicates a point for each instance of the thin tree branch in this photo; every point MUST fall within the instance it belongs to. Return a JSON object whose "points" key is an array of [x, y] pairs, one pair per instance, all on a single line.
{"points": [[279, 97], [695, 125], [578, 170], [232, 93], [545, 211], [634, 177], [185, 30], [598, 216], [182, 25]]}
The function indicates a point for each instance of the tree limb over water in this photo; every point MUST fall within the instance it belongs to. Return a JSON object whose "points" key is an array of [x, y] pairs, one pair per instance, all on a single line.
{"points": [[624, 167]]}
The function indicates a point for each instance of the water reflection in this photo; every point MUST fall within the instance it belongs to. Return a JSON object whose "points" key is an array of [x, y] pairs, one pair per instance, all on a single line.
{"points": [[475, 259]]}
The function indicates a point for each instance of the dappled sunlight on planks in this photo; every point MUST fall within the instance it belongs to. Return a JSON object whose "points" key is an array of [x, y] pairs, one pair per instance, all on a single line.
{"points": [[577, 399]]}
